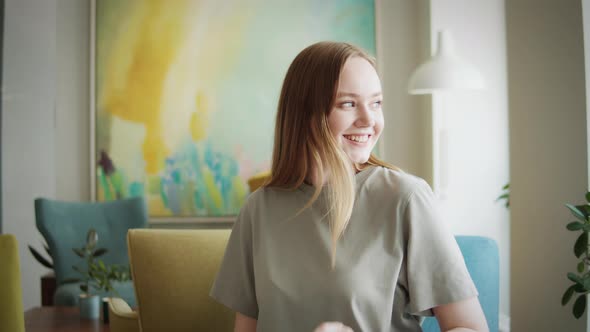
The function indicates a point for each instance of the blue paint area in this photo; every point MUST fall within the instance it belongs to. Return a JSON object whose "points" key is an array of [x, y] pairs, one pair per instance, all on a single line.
{"points": [[136, 189], [183, 181]]}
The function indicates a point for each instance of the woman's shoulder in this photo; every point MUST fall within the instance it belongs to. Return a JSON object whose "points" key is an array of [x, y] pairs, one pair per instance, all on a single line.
{"points": [[270, 198], [396, 181]]}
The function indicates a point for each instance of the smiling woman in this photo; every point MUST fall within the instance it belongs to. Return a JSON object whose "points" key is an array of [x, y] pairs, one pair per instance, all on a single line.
{"points": [[336, 240]]}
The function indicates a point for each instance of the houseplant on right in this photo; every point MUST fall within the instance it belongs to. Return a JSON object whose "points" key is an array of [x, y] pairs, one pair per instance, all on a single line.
{"points": [[581, 279]]}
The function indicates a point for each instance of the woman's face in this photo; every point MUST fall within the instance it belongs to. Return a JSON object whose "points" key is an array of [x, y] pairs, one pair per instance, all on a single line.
{"points": [[356, 120]]}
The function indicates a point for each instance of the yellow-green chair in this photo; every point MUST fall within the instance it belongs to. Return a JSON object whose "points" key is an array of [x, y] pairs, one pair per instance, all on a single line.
{"points": [[11, 298], [173, 271], [258, 180]]}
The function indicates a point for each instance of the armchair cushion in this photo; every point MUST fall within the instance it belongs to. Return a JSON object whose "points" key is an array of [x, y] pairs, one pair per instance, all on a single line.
{"points": [[121, 317]]}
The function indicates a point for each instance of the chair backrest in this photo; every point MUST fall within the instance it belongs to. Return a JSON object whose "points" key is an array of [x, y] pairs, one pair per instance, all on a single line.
{"points": [[257, 180], [64, 226], [11, 303], [482, 260], [173, 271]]}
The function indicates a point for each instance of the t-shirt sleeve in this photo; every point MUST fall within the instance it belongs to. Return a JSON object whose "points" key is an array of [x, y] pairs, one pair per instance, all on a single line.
{"points": [[436, 271], [234, 285]]}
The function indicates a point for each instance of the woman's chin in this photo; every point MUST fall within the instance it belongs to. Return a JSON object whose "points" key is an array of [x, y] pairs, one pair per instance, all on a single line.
{"points": [[359, 159]]}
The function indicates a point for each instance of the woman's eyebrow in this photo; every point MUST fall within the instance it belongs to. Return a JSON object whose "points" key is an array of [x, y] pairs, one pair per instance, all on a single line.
{"points": [[350, 94]]}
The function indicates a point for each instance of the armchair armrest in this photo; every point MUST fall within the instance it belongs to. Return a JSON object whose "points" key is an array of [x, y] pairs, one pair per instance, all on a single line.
{"points": [[121, 317]]}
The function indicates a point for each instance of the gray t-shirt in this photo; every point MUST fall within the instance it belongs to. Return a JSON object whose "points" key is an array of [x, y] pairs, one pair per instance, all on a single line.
{"points": [[395, 261]]}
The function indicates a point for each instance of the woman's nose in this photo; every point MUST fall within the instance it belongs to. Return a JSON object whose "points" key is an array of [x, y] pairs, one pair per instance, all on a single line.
{"points": [[365, 117]]}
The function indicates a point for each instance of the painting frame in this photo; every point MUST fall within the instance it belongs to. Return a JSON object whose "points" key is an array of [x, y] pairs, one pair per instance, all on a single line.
{"points": [[184, 221]]}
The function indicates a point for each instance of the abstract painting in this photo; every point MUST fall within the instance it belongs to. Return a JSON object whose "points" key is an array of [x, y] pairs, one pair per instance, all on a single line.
{"points": [[185, 93]]}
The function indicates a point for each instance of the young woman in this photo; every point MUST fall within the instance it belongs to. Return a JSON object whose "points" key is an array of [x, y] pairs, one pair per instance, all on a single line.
{"points": [[337, 235]]}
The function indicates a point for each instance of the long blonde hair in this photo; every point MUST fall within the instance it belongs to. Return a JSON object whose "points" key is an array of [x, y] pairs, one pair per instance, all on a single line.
{"points": [[303, 141]]}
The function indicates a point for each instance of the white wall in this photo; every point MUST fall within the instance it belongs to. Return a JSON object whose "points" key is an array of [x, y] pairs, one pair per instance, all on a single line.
{"points": [[548, 156], [72, 135], [45, 118], [28, 126], [477, 124]]}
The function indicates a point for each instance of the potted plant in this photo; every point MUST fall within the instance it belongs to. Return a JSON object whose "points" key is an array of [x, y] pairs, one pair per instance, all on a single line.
{"points": [[581, 279], [95, 275]]}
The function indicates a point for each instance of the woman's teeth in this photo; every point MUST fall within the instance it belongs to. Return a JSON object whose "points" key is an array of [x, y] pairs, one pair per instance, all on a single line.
{"points": [[356, 138]]}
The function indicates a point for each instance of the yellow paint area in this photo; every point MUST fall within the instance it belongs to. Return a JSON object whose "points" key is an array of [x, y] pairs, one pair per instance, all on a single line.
{"points": [[200, 118], [157, 207], [137, 68]]}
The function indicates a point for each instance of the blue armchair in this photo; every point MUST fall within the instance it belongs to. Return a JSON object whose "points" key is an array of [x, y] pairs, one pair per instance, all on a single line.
{"points": [[482, 260], [64, 226]]}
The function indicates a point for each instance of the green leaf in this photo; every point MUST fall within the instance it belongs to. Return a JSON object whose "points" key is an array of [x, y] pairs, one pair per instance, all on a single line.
{"points": [[576, 212], [40, 258], [84, 288], [506, 186], [575, 226], [567, 295], [581, 267], [575, 278], [581, 244], [579, 288], [99, 252], [579, 306], [588, 197], [79, 252]]}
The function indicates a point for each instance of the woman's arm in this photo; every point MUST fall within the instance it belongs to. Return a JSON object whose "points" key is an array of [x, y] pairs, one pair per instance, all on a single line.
{"points": [[244, 323], [465, 315]]}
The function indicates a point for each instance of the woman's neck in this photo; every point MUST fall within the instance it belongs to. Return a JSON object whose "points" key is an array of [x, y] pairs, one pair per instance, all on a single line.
{"points": [[313, 177]]}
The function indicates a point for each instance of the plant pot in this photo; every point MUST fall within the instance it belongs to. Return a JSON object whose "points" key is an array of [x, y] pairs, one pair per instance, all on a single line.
{"points": [[89, 306]]}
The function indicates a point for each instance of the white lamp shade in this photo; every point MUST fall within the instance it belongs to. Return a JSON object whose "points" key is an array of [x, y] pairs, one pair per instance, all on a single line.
{"points": [[444, 71]]}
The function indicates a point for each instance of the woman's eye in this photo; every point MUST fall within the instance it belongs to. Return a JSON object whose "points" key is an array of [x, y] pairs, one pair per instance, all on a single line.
{"points": [[377, 104], [347, 104]]}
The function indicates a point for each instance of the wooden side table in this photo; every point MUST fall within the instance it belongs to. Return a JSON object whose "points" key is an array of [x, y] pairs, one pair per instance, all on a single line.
{"points": [[61, 319]]}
